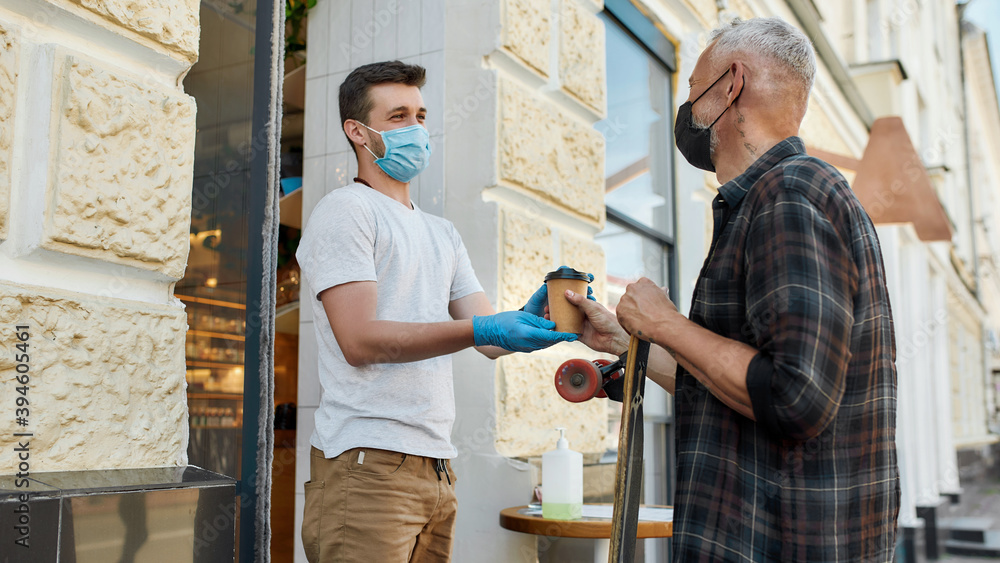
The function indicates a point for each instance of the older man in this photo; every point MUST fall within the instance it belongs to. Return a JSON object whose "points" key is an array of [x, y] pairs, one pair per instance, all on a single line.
{"points": [[785, 392]]}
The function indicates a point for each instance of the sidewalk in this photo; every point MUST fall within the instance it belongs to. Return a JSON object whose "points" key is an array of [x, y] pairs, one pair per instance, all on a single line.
{"points": [[978, 500]]}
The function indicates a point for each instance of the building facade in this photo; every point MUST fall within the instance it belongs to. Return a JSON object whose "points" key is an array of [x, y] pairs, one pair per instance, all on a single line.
{"points": [[128, 147], [517, 90]]}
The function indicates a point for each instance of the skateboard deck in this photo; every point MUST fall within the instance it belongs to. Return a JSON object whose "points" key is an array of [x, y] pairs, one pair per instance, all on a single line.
{"points": [[628, 469], [623, 380]]}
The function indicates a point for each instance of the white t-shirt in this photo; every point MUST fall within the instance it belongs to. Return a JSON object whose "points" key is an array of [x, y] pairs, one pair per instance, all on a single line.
{"points": [[356, 233]]}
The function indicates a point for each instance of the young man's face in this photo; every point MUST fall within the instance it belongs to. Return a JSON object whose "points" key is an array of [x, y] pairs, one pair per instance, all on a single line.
{"points": [[393, 106]]}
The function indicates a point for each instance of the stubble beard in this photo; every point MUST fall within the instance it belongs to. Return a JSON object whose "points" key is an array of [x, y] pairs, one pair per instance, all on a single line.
{"points": [[713, 139]]}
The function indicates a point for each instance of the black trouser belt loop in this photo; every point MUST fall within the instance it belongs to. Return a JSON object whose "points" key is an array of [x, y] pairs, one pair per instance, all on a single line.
{"points": [[440, 466]]}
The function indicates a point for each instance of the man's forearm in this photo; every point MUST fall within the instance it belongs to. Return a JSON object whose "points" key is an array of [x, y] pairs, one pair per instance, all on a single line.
{"points": [[662, 368], [390, 342], [718, 362]]}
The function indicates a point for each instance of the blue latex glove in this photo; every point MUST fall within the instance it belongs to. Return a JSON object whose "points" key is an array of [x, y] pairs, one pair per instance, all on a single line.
{"points": [[537, 302], [517, 331]]}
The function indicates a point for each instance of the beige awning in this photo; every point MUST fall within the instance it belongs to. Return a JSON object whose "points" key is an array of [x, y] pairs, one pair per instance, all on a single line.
{"points": [[892, 183]]}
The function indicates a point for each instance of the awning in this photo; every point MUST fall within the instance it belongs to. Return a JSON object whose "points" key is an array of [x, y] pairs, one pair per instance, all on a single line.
{"points": [[892, 183]]}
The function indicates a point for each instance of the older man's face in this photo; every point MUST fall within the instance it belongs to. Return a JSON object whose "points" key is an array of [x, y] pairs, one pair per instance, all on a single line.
{"points": [[709, 104]]}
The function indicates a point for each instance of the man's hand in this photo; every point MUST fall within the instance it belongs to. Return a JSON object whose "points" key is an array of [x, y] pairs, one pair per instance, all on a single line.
{"points": [[538, 303], [646, 309], [601, 331], [517, 331]]}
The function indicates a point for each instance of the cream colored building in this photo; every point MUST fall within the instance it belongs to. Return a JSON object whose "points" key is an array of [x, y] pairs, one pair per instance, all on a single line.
{"points": [[96, 156], [524, 120], [97, 161], [984, 146], [552, 130]]}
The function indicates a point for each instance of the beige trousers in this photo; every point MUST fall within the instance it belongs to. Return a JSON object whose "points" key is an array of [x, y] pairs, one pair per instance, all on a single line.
{"points": [[375, 505]]}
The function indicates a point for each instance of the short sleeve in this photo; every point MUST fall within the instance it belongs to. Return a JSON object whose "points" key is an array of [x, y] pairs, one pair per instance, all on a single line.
{"points": [[800, 286], [464, 282], [338, 242]]}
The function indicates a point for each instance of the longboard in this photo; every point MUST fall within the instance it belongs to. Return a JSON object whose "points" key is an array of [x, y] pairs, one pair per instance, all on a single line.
{"points": [[628, 469], [581, 380]]}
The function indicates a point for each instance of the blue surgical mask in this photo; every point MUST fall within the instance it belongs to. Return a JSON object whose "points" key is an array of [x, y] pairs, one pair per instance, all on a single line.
{"points": [[407, 151]]}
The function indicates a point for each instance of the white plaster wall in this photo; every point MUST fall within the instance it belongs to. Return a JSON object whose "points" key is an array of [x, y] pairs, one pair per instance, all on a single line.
{"points": [[925, 446], [907, 445], [461, 120], [984, 131], [940, 387]]}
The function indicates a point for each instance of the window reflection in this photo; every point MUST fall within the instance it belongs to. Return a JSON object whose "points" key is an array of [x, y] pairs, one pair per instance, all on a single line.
{"points": [[214, 286], [638, 133], [638, 236], [638, 136]]}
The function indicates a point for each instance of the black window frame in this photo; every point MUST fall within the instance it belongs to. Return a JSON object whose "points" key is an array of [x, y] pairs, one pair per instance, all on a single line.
{"points": [[638, 25]]}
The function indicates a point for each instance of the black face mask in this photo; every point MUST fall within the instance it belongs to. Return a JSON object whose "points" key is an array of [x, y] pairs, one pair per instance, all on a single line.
{"points": [[694, 142]]}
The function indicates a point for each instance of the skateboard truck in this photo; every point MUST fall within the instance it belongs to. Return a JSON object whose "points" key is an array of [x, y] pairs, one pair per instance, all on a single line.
{"points": [[580, 380]]}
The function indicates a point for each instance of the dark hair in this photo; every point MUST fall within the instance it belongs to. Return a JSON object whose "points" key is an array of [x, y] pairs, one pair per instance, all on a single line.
{"points": [[355, 101]]}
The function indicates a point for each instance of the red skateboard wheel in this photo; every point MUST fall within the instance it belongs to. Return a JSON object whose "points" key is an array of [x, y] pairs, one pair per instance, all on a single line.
{"points": [[578, 380], [601, 363]]}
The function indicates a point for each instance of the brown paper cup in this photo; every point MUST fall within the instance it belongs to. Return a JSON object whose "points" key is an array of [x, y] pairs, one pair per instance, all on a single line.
{"points": [[566, 316]]}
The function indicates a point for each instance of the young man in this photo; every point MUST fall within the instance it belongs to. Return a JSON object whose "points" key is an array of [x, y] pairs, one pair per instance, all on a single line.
{"points": [[785, 395], [395, 295]]}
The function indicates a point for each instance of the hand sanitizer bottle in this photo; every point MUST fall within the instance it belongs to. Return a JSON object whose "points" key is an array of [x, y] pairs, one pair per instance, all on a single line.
{"points": [[562, 481]]}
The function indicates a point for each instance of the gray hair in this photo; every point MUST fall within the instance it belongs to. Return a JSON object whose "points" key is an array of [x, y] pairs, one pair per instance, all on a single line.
{"points": [[773, 38]]}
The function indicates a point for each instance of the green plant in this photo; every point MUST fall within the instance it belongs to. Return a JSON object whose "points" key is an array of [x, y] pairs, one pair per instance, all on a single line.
{"points": [[295, 13]]}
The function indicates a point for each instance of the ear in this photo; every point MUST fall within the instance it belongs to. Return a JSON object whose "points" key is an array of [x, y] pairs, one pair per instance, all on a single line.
{"points": [[354, 132], [736, 87]]}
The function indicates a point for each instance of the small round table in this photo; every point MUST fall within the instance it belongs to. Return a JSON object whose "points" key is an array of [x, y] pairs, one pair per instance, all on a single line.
{"points": [[517, 519]]}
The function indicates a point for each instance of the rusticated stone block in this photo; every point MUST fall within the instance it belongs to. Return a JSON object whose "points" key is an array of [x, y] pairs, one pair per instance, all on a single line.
{"points": [[586, 256], [175, 24], [10, 47], [527, 29], [529, 408], [106, 385], [581, 55], [121, 169], [550, 153], [527, 257]]}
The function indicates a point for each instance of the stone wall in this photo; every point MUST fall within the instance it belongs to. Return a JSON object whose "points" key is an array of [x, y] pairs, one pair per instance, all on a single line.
{"points": [[96, 160], [550, 178], [10, 48], [106, 381]]}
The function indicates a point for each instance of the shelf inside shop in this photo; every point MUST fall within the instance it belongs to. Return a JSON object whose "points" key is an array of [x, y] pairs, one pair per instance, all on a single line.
{"points": [[291, 209], [219, 365], [293, 126], [293, 89], [212, 334], [207, 301], [286, 318], [216, 395]]}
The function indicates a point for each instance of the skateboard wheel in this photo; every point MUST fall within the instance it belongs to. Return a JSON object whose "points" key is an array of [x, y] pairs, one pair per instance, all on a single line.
{"points": [[601, 363], [578, 380]]}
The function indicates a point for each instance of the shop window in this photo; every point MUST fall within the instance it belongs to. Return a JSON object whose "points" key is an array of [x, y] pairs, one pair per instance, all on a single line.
{"points": [[222, 354], [638, 238]]}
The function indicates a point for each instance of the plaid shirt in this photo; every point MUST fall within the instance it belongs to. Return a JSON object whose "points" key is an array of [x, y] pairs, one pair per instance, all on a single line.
{"points": [[795, 271]]}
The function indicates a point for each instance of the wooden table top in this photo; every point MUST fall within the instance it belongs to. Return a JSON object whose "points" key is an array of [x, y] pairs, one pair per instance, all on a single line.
{"points": [[516, 519]]}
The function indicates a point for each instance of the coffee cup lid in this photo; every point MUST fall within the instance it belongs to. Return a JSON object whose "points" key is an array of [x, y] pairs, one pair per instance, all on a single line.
{"points": [[567, 273]]}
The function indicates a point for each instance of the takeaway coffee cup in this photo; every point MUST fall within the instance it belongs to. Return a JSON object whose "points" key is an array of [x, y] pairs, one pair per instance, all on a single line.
{"points": [[566, 316]]}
